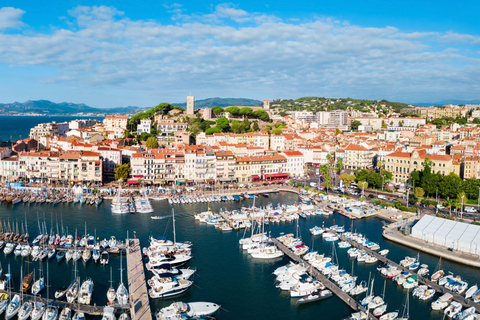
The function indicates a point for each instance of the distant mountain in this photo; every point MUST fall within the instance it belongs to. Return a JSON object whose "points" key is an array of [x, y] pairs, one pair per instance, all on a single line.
{"points": [[221, 102], [46, 107], [444, 102]]}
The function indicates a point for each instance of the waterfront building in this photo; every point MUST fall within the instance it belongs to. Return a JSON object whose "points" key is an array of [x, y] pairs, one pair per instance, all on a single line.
{"points": [[402, 164], [48, 129]]}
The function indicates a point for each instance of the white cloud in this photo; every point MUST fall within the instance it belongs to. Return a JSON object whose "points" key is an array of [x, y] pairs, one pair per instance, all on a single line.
{"points": [[232, 52], [10, 18]]}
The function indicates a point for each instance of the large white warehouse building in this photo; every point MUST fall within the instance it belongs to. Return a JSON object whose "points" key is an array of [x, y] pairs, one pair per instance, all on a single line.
{"points": [[448, 233]]}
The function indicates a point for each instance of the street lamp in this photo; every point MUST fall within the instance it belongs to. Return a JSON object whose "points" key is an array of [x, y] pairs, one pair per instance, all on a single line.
{"points": [[383, 181]]}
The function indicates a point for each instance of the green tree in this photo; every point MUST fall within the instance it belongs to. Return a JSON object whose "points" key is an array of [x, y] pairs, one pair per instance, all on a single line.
{"points": [[122, 171], [213, 130], [152, 143], [268, 127], [347, 178], [261, 114], [450, 186], [233, 110], [217, 110], [362, 185], [223, 124], [246, 111], [462, 199], [277, 131], [255, 126], [419, 193], [337, 132], [354, 125], [194, 129], [384, 124], [237, 126], [339, 166], [470, 187]]}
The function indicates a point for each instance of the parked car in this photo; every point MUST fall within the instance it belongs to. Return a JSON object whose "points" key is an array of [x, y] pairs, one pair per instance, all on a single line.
{"points": [[470, 209], [382, 197], [371, 196], [439, 206]]}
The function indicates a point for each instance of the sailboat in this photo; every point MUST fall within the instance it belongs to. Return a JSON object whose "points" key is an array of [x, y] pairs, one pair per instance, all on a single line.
{"points": [[122, 293], [111, 294], [15, 303], [51, 312], [406, 309], [439, 272], [39, 284], [72, 291]]}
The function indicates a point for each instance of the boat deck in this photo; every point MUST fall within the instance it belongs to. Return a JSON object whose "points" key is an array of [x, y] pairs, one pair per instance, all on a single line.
{"points": [[137, 284], [348, 300]]}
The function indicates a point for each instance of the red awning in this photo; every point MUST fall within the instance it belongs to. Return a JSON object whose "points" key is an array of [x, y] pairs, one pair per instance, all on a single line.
{"points": [[97, 162], [190, 181], [316, 164], [138, 176], [255, 177], [279, 175], [212, 179], [132, 182]]}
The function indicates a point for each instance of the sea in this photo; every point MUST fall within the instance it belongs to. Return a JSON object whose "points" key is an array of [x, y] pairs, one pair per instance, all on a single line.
{"points": [[18, 127], [226, 275]]}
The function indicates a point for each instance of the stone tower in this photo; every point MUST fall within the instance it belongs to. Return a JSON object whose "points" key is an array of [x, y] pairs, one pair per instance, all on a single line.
{"points": [[266, 104], [190, 105]]}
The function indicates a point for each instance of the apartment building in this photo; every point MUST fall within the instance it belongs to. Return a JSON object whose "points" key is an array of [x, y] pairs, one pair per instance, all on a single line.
{"points": [[115, 121], [402, 164], [111, 158], [358, 157], [268, 167], [48, 129], [295, 163], [145, 125]]}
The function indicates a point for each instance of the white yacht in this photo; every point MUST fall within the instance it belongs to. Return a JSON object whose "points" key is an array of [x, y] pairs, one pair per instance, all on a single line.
{"points": [[73, 289], [108, 313], [13, 307], [25, 310], [66, 314], [38, 310], [86, 290], [51, 313], [191, 310], [122, 294], [166, 287]]}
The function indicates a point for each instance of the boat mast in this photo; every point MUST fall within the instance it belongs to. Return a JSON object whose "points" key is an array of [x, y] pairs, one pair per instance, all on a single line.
{"points": [[174, 234]]}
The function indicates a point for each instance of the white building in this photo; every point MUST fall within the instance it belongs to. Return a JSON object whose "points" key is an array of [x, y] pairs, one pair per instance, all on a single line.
{"points": [[145, 125], [323, 118]]}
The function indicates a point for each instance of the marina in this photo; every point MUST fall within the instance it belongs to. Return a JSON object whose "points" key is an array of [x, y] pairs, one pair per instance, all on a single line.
{"points": [[221, 266]]}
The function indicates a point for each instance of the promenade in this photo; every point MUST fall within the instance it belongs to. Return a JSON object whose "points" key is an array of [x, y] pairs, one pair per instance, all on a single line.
{"points": [[137, 284], [394, 235]]}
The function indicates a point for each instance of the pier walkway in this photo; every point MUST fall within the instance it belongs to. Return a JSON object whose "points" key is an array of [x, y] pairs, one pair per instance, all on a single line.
{"points": [[350, 301], [439, 289], [137, 284]]}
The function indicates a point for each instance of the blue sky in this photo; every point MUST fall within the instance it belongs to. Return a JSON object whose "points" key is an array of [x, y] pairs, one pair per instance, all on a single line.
{"points": [[120, 53]]}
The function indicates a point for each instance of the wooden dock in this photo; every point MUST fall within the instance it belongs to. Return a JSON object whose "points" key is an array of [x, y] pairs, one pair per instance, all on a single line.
{"points": [[422, 280], [348, 300], [137, 284]]}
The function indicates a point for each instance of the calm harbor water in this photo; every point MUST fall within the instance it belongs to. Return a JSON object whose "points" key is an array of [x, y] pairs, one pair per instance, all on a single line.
{"points": [[17, 126], [225, 274]]}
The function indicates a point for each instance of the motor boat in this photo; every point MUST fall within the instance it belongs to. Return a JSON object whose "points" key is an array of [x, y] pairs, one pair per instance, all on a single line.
{"points": [[191, 310], [13, 307], [86, 290]]}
